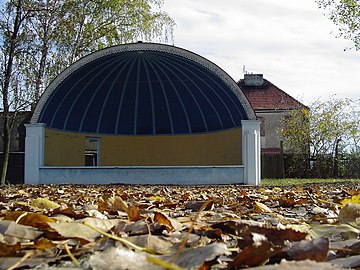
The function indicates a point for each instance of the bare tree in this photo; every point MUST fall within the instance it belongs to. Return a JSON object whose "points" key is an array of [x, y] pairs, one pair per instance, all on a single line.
{"points": [[14, 44], [39, 38]]}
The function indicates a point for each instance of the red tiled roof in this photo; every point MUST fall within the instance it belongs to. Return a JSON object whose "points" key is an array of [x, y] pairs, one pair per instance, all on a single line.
{"points": [[268, 97]]}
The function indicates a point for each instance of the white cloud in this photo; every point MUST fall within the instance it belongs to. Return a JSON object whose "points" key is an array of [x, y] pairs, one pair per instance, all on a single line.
{"points": [[289, 41]]}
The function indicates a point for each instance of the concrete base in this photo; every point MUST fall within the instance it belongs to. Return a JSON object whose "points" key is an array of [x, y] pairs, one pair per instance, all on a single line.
{"points": [[177, 175]]}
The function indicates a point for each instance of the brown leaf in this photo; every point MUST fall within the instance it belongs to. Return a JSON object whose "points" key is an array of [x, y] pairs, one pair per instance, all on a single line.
{"points": [[286, 202], [274, 235], [162, 219], [133, 213], [212, 233], [254, 255], [112, 204], [43, 243], [197, 205], [9, 250], [316, 250], [68, 212], [30, 219], [3, 199]]}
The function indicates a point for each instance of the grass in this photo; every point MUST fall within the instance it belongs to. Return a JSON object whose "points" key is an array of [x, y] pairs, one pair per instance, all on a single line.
{"points": [[299, 182]]}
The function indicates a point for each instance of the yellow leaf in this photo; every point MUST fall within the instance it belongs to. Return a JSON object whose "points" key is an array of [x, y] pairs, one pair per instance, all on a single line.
{"points": [[44, 204], [156, 198], [353, 199]]}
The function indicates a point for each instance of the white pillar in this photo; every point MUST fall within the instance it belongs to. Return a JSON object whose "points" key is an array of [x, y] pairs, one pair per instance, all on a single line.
{"points": [[34, 152], [251, 151]]}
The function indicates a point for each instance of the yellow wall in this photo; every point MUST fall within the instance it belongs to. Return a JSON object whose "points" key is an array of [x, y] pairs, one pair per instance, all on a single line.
{"points": [[217, 148], [64, 148]]}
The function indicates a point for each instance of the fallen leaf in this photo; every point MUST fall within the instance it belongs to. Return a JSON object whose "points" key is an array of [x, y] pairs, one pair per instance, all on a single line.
{"points": [[245, 230], [30, 219], [11, 228], [300, 265], [120, 258], [354, 199], [195, 257], [133, 213], [316, 250], [112, 204], [44, 203], [350, 212], [9, 250], [102, 224], [136, 228], [75, 230], [286, 202], [7, 262], [348, 262], [255, 255], [157, 198], [340, 231], [197, 205], [154, 242], [68, 212], [162, 219], [43, 243]]}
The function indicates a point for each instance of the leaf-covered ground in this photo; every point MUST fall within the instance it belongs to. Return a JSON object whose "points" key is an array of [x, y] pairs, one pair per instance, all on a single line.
{"points": [[180, 227]]}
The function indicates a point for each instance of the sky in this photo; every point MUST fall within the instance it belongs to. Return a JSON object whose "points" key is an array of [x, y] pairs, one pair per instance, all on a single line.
{"points": [[290, 42]]}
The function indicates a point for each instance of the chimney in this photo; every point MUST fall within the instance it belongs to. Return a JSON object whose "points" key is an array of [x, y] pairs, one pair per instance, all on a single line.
{"points": [[253, 79]]}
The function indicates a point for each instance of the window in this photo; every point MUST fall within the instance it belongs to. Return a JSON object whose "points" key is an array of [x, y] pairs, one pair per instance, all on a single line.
{"points": [[92, 151]]}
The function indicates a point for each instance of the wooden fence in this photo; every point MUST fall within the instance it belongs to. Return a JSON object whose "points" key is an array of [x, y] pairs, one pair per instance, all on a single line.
{"points": [[272, 165]]}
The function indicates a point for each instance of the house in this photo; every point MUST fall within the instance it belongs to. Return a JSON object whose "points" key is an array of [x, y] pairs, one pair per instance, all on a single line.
{"points": [[143, 113], [271, 105]]}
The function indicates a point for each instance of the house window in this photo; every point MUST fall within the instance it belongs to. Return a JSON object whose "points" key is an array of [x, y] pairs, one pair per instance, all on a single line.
{"points": [[92, 151]]}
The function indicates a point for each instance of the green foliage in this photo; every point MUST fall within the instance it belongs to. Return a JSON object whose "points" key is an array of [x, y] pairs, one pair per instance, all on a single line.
{"points": [[62, 31], [328, 126], [324, 133], [299, 182], [346, 15]]}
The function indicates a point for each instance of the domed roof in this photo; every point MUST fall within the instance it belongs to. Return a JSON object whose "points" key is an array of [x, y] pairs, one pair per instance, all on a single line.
{"points": [[143, 89]]}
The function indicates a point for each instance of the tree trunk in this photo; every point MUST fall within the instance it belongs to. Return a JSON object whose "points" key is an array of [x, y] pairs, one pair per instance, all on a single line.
{"points": [[6, 150], [13, 43], [335, 172]]}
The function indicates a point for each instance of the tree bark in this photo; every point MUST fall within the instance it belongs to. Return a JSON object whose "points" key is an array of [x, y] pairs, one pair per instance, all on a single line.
{"points": [[6, 150], [5, 90]]}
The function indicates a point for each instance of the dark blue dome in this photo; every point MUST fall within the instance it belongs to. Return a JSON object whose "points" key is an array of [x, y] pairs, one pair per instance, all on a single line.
{"points": [[143, 89]]}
